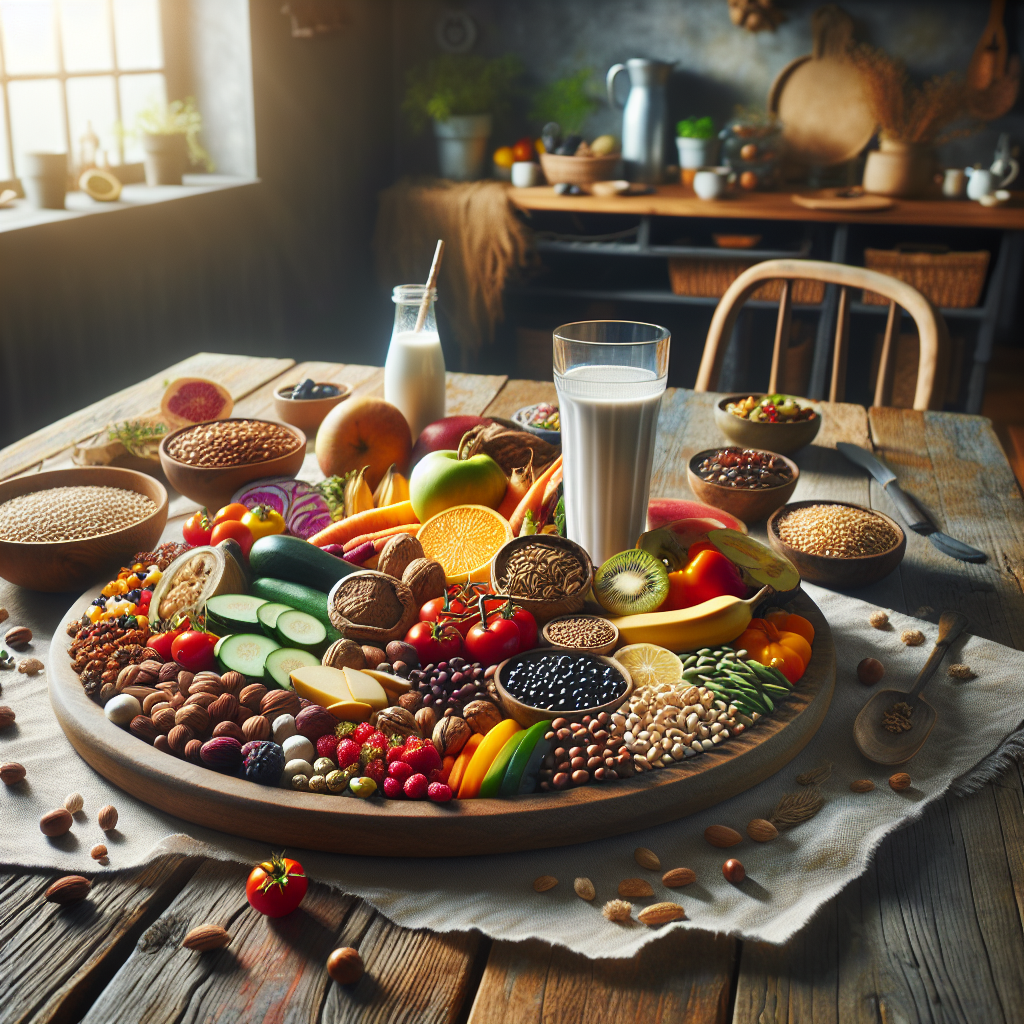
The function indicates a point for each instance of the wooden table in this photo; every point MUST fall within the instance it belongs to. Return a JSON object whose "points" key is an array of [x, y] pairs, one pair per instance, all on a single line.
{"points": [[931, 932]]}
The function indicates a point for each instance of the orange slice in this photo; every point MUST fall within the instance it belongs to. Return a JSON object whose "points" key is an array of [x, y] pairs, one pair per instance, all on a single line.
{"points": [[464, 539]]}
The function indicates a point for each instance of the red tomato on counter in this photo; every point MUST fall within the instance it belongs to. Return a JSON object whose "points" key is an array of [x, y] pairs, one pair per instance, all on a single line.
{"points": [[276, 886], [231, 529]]}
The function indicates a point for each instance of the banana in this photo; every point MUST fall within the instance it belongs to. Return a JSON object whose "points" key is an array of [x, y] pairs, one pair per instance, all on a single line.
{"points": [[358, 496], [392, 489], [714, 622]]}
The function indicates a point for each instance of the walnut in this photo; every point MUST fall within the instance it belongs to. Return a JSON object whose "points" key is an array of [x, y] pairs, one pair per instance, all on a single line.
{"points": [[372, 607], [344, 654], [450, 735], [481, 715], [398, 553], [396, 721], [426, 578]]}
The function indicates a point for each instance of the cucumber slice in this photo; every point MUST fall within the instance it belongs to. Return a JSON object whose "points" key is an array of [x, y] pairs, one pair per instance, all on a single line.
{"points": [[282, 662], [521, 774], [496, 773], [246, 653], [267, 615], [236, 611], [297, 629]]}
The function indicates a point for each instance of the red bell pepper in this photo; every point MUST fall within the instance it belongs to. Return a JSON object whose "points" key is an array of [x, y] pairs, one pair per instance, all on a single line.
{"points": [[708, 574]]}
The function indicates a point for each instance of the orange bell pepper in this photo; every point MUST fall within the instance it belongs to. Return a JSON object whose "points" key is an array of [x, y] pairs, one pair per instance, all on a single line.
{"points": [[708, 574], [465, 756], [788, 622], [788, 652]]}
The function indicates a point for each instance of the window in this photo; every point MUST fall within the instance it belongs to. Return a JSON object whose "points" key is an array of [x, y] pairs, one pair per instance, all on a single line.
{"points": [[70, 65]]}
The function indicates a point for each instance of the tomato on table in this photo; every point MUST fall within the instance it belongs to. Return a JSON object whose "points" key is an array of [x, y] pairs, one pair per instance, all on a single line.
{"points": [[276, 886], [523, 619], [524, 150], [233, 511], [232, 529], [162, 642], [193, 650], [494, 641], [435, 642], [197, 528]]}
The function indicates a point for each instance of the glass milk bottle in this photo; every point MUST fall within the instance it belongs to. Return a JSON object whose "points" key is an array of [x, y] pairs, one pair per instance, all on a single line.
{"points": [[414, 369]]}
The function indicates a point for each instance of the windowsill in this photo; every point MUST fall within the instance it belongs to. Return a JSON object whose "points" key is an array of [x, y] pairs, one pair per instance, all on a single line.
{"points": [[20, 214]]}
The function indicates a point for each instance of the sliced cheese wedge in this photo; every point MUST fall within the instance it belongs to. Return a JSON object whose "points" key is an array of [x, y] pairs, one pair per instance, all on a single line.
{"points": [[394, 685], [351, 711], [320, 684], [366, 689]]}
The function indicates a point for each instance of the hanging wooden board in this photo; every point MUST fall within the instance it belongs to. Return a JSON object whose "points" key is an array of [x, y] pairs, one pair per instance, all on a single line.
{"points": [[841, 199], [386, 828]]}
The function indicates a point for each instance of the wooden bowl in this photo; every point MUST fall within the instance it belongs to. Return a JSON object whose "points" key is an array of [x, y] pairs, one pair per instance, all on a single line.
{"points": [[54, 566], [742, 502], [736, 241], [545, 611], [839, 573], [213, 486], [605, 649], [306, 413], [784, 438], [526, 715], [578, 170]]}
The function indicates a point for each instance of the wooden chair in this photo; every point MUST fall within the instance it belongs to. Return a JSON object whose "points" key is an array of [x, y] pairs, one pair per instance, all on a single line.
{"points": [[931, 328]]}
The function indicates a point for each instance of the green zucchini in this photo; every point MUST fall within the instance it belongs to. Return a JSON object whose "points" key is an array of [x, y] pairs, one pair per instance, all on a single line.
{"points": [[297, 629], [297, 561], [267, 613], [297, 596], [282, 662], [246, 653], [237, 612]]}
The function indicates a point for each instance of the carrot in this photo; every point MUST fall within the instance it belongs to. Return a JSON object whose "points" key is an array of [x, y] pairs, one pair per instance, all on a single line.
{"points": [[373, 520], [533, 499], [552, 486], [368, 538], [519, 483]]}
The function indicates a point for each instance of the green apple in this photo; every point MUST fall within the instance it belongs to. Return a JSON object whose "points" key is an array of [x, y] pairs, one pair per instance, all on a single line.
{"points": [[441, 480]]}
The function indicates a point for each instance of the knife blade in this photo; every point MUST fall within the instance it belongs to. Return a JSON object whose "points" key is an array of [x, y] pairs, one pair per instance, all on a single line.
{"points": [[909, 512]]}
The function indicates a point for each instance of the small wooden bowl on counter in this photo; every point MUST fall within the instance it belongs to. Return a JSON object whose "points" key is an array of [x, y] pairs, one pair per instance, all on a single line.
{"points": [[833, 571], [55, 566], [784, 438], [746, 503], [578, 170], [527, 715], [544, 610], [605, 648], [213, 486], [306, 413]]}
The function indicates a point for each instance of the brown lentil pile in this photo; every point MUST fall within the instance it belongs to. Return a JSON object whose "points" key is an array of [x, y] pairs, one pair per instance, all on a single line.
{"points": [[582, 632], [897, 718], [232, 443], [837, 531], [71, 513], [543, 572], [586, 752]]}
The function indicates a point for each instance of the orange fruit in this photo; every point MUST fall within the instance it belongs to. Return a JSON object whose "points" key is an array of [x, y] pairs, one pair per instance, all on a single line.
{"points": [[464, 539]]}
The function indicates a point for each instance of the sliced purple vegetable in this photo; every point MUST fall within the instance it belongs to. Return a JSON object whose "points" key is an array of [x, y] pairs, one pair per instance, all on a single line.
{"points": [[309, 512], [270, 492], [334, 549], [358, 555]]}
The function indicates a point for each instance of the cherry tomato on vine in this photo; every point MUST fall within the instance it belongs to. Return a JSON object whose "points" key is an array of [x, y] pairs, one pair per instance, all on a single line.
{"points": [[233, 511], [523, 619], [193, 650], [231, 529], [197, 528], [435, 642], [494, 641], [276, 886]]}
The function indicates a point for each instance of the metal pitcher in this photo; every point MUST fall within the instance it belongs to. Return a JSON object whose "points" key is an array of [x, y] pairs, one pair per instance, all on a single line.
{"points": [[645, 130]]}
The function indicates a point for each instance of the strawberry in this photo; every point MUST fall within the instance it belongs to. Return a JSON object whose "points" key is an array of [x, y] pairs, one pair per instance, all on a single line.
{"points": [[362, 731], [439, 792], [399, 770], [415, 787], [375, 770], [347, 753], [327, 746], [395, 754], [377, 739], [423, 758], [392, 789]]}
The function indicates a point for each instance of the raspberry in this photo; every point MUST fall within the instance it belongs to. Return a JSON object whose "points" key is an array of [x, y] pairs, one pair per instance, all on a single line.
{"points": [[395, 754], [439, 792], [424, 758], [375, 770], [399, 770], [347, 753], [437, 775], [362, 732], [416, 787], [393, 789], [326, 746]]}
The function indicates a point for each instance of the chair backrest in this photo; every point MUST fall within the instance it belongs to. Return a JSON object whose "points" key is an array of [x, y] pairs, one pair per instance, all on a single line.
{"points": [[931, 327]]}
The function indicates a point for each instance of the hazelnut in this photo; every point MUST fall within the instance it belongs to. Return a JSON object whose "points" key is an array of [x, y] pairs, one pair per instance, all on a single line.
{"points": [[345, 965], [870, 671], [734, 871], [11, 773]]}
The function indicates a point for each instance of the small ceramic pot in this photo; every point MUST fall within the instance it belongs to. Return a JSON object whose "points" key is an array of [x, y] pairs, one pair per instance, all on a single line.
{"points": [[696, 153], [166, 159], [45, 179], [901, 169], [710, 182], [526, 174], [462, 146]]}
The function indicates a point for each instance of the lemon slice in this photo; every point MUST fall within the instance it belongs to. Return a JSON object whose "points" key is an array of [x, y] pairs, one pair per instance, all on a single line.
{"points": [[464, 539], [650, 665]]}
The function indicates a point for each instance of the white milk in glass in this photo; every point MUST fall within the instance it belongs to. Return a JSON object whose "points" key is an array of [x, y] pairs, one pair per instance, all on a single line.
{"points": [[609, 418], [414, 377]]}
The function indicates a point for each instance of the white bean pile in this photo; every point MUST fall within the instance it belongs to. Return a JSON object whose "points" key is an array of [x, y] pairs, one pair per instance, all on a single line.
{"points": [[71, 513]]}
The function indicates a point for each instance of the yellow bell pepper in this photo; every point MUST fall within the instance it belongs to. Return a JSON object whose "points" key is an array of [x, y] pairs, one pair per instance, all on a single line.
{"points": [[263, 521], [488, 750]]}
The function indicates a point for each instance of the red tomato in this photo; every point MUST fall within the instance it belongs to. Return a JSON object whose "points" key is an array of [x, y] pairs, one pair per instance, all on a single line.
{"points": [[449, 604], [233, 511], [459, 607], [231, 529], [162, 642], [193, 651], [276, 886], [434, 642], [196, 530], [524, 149], [493, 641], [524, 620]]}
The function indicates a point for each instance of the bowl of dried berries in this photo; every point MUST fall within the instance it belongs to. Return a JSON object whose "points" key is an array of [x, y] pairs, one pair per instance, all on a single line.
{"points": [[748, 483]]}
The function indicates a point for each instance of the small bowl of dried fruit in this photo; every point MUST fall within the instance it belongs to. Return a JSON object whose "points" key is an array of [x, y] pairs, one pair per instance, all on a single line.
{"points": [[745, 482], [776, 423], [541, 419]]}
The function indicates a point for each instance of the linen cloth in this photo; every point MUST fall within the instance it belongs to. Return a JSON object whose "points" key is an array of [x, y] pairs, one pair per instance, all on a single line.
{"points": [[787, 879]]}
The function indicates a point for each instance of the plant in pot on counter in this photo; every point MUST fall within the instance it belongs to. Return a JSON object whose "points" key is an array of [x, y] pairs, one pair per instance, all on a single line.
{"points": [[170, 138]]}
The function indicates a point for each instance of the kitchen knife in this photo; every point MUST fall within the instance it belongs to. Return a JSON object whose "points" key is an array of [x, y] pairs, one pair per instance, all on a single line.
{"points": [[908, 511]]}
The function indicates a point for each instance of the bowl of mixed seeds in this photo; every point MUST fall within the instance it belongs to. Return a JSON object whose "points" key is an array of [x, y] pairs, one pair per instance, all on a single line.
{"points": [[550, 576]]}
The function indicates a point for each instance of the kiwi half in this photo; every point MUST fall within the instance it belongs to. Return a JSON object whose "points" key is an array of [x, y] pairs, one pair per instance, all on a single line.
{"points": [[631, 583]]}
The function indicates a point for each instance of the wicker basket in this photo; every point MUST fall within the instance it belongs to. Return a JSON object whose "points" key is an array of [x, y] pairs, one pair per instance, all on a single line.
{"points": [[710, 279], [951, 279]]}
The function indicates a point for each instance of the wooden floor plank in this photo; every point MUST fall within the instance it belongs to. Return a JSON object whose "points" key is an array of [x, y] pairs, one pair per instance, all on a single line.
{"points": [[239, 374], [56, 960], [684, 977]]}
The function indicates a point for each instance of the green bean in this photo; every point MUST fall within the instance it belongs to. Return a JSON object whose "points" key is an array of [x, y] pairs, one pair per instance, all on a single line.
{"points": [[690, 661]]}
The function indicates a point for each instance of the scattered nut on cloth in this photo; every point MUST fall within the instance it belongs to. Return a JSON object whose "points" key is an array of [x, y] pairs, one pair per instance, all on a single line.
{"points": [[787, 878]]}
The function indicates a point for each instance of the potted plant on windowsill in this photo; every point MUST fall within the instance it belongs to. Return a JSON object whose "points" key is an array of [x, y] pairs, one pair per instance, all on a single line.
{"points": [[696, 143], [460, 95], [170, 139]]}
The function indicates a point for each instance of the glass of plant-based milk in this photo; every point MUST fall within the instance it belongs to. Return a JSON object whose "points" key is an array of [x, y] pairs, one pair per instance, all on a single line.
{"points": [[610, 376]]}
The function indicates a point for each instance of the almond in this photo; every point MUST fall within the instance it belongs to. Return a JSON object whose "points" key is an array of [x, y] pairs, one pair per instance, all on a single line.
{"points": [[11, 773], [544, 882], [635, 889], [106, 818], [18, 636], [678, 877], [205, 938], [56, 822], [584, 888], [761, 831], [899, 781], [722, 836], [660, 913], [862, 785], [69, 889], [647, 858]]}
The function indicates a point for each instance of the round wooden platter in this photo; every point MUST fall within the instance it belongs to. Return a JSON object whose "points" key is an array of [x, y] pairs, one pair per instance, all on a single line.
{"points": [[280, 817]]}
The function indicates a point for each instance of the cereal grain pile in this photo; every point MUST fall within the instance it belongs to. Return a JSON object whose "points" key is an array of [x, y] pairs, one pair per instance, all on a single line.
{"points": [[71, 513], [838, 531]]}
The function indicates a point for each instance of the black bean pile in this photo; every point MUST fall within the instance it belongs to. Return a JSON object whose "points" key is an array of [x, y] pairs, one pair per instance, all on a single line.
{"points": [[744, 467], [563, 682]]}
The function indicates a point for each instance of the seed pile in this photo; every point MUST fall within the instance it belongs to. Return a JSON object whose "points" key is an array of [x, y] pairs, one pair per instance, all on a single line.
{"points": [[232, 443], [71, 513], [897, 718], [581, 632], [837, 531], [744, 467], [542, 571]]}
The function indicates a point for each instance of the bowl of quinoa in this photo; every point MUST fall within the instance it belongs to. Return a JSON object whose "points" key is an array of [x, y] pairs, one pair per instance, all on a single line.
{"points": [[63, 529]]}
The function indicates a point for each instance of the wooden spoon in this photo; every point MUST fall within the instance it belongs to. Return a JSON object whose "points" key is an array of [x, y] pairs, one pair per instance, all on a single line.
{"points": [[873, 740]]}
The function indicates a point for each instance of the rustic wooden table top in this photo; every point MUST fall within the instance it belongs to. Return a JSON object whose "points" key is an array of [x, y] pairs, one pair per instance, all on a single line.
{"points": [[933, 931]]}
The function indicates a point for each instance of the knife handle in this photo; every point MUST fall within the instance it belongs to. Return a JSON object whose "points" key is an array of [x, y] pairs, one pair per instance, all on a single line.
{"points": [[906, 508]]}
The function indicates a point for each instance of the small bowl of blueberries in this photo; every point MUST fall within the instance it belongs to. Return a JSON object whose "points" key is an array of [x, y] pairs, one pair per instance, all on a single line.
{"points": [[304, 405]]}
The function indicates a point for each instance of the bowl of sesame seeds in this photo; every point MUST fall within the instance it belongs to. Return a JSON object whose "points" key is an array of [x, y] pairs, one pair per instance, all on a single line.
{"points": [[837, 543], [63, 529]]}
